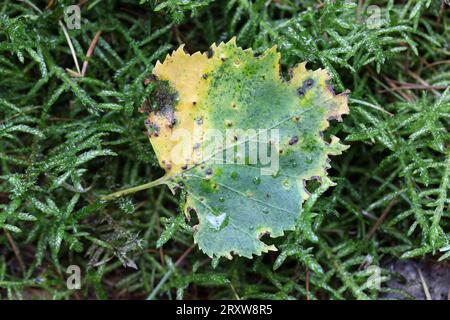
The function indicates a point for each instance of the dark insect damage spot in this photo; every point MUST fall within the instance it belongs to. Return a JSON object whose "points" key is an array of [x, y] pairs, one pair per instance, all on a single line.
{"points": [[300, 92], [293, 140], [172, 122], [164, 100], [152, 128], [150, 79], [205, 76], [209, 171], [307, 84]]}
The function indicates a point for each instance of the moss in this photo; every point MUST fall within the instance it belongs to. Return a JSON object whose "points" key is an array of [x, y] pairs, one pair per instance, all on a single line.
{"points": [[67, 140]]}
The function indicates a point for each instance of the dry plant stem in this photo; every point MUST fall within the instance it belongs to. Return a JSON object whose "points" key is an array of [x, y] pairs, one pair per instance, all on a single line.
{"points": [[381, 218], [424, 83], [90, 52], [66, 34], [424, 285], [69, 42], [396, 88], [16, 250], [307, 283], [169, 273]]}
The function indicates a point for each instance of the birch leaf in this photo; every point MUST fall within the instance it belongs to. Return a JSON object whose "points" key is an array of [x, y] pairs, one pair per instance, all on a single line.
{"points": [[219, 116]]}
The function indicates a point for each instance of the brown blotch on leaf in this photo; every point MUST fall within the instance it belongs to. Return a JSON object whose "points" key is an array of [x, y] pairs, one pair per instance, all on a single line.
{"points": [[150, 79], [308, 84], [152, 128], [145, 107]]}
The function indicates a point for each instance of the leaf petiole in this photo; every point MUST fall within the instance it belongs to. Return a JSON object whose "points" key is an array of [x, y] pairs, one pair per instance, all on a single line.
{"points": [[125, 192]]}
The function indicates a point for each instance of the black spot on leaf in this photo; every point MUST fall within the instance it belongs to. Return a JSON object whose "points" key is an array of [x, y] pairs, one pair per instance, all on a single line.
{"points": [[293, 140]]}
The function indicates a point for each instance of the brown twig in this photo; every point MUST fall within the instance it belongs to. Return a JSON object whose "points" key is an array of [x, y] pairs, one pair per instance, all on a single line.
{"points": [[424, 285], [16, 250], [82, 2], [184, 255], [50, 4], [381, 219], [436, 63], [396, 88], [359, 9], [307, 283], [423, 82], [90, 52], [413, 86]]}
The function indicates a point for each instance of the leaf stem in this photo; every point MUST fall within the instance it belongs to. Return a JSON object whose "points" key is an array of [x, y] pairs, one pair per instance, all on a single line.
{"points": [[124, 192]]}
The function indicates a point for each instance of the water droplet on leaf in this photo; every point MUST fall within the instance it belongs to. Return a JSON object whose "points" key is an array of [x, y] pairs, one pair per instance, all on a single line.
{"points": [[217, 222], [286, 184], [257, 180]]}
